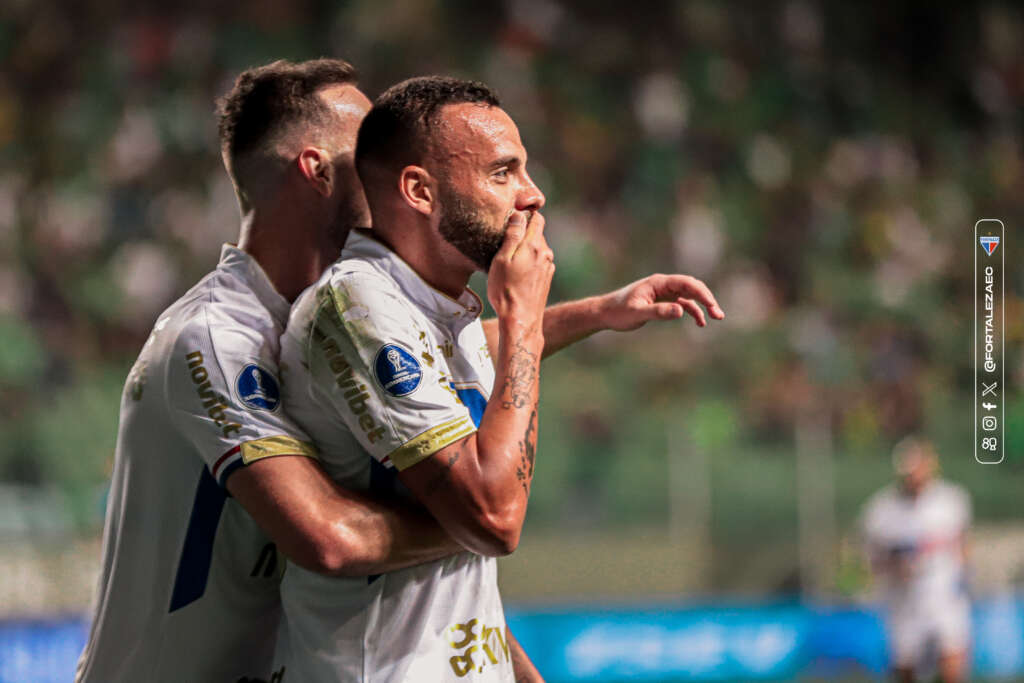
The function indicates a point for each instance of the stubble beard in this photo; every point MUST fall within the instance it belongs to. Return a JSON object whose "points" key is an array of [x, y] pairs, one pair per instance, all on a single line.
{"points": [[466, 229]]}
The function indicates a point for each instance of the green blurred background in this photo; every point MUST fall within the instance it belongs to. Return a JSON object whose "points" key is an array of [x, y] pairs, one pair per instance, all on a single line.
{"points": [[820, 165]]}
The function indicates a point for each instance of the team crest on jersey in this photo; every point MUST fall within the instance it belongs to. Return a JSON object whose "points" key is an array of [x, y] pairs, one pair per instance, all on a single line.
{"points": [[989, 243], [397, 370], [257, 388]]}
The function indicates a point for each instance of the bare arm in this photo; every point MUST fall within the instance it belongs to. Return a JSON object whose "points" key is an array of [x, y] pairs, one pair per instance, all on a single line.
{"points": [[478, 487], [525, 671], [656, 297], [327, 529]]}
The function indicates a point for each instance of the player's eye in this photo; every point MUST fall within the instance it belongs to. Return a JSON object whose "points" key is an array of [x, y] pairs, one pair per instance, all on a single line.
{"points": [[501, 174]]}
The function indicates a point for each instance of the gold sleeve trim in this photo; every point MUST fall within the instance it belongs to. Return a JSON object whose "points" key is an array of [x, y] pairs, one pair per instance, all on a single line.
{"points": [[431, 441], [270, 446]]}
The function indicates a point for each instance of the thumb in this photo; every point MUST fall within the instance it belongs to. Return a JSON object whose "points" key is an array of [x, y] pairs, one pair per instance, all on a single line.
{"points": [[514, 235]]}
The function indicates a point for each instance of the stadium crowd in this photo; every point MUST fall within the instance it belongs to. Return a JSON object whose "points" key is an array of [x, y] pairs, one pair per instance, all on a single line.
{"points": [[820, 165]]}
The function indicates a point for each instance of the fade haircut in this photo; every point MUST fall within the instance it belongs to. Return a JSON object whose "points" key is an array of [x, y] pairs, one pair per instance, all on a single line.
{"points": [[268, 100], [399, 128]]}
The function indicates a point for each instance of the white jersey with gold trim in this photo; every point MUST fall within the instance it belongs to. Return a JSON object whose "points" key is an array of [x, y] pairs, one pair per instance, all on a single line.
{"points": [[382, 371], [189, 589]]}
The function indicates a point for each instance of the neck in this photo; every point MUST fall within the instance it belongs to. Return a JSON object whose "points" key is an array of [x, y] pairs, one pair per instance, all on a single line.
{"points": [[439, 264], [291, 252]]}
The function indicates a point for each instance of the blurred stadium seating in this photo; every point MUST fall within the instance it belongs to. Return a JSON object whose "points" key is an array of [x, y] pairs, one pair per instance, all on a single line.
{"points": [[819, 164]]}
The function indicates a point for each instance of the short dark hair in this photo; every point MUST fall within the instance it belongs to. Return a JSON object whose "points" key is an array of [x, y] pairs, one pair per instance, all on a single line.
{"points": [[399, 127], [266, 99]]}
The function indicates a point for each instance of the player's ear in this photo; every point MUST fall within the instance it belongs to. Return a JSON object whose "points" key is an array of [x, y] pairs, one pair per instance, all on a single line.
{"points": [[316, 167], [416, 186]]}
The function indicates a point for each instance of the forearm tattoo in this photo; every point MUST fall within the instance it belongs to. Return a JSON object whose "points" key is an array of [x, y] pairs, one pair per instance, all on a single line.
{"points": [[528, 453], [521, 377], [444, 474]]}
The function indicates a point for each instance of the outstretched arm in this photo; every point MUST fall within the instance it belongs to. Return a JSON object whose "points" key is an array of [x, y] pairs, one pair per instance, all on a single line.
{"points": [[330, 530], [656, 297], [523, 668]]}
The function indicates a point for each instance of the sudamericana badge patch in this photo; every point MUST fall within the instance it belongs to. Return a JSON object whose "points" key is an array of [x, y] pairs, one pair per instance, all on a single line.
{"points": [[397, 370], [257, 388]]}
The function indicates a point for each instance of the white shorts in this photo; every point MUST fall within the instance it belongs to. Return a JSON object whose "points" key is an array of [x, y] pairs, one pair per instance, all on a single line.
{"points": [[914, 628]]}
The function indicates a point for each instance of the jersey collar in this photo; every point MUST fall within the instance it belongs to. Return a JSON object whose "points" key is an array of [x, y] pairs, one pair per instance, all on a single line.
{"points": [[249, 271], [458, 312]]}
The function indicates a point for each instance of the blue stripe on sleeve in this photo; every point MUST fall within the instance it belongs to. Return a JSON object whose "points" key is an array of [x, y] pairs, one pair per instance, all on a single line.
{"points": [[474, 401], [228, 469]]}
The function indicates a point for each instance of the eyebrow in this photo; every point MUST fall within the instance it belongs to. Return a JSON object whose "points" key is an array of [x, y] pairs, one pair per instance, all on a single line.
{"points": [[510, 160]]}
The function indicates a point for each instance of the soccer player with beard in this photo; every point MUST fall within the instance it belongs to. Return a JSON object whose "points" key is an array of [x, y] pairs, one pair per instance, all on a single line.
{"points": [[388, 368]]}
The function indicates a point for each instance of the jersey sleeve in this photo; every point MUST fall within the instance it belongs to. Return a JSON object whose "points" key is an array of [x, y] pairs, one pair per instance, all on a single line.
{"points": [[374, 364], [224, 396]]}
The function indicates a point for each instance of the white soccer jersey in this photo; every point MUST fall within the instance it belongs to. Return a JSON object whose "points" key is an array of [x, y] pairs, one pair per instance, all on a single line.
{"points": [[189, 586], [924, 535], [382, 371]]}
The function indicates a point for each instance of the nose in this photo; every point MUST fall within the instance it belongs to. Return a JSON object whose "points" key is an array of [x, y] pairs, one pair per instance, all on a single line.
{"points": [[530, 198]]}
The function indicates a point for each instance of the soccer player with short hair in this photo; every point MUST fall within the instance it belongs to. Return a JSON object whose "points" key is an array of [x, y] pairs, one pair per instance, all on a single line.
{"points": [[211, 477], [915, 532], [390, 371]]}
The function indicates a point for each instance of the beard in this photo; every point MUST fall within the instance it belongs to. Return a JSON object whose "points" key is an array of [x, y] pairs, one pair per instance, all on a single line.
{"points": [[468, 230]]}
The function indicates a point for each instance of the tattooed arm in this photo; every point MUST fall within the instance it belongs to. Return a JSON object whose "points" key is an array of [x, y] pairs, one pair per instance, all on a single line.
{"points": [[477, 487]]}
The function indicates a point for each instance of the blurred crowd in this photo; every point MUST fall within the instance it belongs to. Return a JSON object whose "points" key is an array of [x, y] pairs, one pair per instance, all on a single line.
{"points": [[819, 164]]}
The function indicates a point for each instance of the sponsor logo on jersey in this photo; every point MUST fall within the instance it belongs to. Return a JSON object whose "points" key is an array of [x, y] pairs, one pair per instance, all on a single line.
{"points": [[397, 370], [477, 646], [355, 393], [989, 243], [216, 404], [257, 388]]}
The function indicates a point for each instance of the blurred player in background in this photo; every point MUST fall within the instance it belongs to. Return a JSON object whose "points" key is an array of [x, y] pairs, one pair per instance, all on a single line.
{"points": [[391, 372], [207, 464], [915, 533]]}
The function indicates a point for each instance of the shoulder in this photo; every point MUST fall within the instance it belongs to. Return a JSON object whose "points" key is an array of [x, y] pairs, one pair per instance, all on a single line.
{"points": [[952, 494], [951, 488], [363, 300], [344, 285], [882, 497], [223, 318], [878, 506], [359, 282], [223, 336], [209, 338]]}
